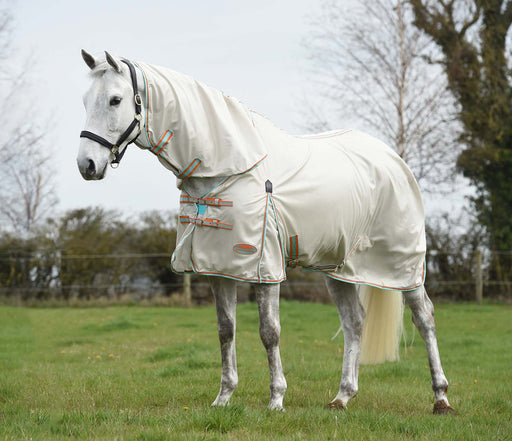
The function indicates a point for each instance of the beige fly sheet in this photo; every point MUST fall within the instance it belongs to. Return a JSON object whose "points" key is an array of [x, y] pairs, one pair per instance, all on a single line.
{"points": [[342, 203]]}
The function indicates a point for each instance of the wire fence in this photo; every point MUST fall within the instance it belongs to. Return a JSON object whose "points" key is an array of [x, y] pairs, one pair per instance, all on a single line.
{"points": [[146, 277]]}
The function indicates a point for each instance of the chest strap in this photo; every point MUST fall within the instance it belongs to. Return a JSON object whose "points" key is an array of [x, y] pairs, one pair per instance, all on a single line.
{"points": [[205, 222], [212, 202]]}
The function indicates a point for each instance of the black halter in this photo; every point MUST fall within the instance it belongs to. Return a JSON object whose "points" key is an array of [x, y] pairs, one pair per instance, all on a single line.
{"points": [[114, 148]]}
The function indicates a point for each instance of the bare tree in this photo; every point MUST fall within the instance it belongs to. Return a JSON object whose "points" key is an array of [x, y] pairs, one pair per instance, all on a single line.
{"points": [[26, 191], [370, 63]]}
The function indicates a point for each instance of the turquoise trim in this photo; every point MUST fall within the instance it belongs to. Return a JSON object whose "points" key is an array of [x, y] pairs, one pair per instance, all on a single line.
{"points": [[163, 142], [353, 282], [179, 246], [278, 235], [146, 134], [227, 177], [189, 169], [226, 276], [294, 252], [224, 179], [264, 238], [239, 248]]}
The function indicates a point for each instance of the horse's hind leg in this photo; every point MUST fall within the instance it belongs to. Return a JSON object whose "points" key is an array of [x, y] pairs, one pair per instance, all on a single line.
{"points": [[352, 315], [267, 297], [423, 317], [224, 291]]}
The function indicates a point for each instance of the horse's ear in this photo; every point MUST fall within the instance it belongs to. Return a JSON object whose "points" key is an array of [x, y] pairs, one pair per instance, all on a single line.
{"points": [[113, 62], [89, 59]]}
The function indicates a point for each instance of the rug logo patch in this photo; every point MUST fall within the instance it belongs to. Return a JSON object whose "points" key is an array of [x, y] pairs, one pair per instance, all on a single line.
{"points": [[244, 248]]}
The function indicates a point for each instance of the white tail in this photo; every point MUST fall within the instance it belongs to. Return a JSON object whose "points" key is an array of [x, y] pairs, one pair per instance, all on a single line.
{"points": [[383, 326]]}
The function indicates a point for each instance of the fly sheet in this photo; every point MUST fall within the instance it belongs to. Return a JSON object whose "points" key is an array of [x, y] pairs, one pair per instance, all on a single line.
{"points": [[342, 203]]}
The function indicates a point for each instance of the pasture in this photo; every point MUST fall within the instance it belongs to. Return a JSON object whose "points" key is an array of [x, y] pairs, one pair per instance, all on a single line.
{"points": [[146, 373]]}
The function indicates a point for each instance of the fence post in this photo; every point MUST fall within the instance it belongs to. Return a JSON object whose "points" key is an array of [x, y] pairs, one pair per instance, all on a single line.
{"points": [[187, 295], [478, 277]]}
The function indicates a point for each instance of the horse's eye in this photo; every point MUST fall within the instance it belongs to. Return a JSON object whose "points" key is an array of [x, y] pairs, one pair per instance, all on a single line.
{"points": [[115, 101]]}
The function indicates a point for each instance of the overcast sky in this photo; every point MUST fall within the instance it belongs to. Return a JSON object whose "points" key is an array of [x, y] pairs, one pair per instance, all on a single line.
{"points": [[252, 50], [248, 49]]}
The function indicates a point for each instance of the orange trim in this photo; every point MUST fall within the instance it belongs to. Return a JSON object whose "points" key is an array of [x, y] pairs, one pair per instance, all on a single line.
{"points": [[206, 222], [254, 166], [212, 202], [166, 142], [187, 172], [294, 251], [228, 276], [162, 138], [344, 279], [194, 169], [357, 282], [244, 248], [354, 247]]}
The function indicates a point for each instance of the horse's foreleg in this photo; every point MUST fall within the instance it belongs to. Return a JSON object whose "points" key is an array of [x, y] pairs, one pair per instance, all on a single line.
{"points": [[267, 297], [423, 317], [352, 315], [224, 291]]}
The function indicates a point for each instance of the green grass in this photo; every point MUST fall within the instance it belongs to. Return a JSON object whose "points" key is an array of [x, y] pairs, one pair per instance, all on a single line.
{"points": [[151, 374]]}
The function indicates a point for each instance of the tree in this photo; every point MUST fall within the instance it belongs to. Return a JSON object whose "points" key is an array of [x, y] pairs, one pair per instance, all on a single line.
{"points": [[371, 62], [156, 238], [91, 243], [27, 192], [472, 35], [451, 258]]}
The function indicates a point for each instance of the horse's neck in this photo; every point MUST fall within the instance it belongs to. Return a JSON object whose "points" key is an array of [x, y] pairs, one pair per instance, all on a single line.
{"points": [[198, 187]]}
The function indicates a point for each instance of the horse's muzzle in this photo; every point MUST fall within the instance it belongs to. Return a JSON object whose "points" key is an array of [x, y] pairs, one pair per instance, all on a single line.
{"points": [[89, 170]]}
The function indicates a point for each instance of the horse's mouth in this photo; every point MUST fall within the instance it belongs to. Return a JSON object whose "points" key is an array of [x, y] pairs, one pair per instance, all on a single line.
{"points": [[91, 173]]}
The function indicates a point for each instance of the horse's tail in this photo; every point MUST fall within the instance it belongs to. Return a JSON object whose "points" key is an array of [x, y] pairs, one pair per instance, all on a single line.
{"points": [[383, 326]]}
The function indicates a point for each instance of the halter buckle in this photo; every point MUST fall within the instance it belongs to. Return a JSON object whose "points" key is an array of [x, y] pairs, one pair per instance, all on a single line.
{"points": [[114, 150], [137, 99]]}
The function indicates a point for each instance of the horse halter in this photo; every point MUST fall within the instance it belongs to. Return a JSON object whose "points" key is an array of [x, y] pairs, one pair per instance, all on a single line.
{"points": [[114, 148]]}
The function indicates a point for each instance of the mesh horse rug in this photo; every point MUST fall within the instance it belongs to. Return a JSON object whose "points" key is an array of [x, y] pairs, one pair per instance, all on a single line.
{"points": [[342, 203]]}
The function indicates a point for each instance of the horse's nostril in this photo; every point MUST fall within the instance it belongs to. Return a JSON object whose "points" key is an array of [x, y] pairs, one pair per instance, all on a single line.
{"points": [[91, 168]]}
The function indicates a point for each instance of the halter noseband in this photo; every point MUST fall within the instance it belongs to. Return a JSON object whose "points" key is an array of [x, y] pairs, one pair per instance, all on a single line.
{"points": [[114, 148]]}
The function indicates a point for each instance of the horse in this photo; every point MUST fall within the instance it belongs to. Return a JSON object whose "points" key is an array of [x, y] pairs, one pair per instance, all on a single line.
{"points": [[256, 200]]}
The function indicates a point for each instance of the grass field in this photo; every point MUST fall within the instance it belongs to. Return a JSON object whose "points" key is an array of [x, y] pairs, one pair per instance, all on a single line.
{"points": [[151, 374]]}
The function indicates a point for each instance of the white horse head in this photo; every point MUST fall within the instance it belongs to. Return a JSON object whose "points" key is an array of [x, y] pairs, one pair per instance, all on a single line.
{"points": [[110, 107]]}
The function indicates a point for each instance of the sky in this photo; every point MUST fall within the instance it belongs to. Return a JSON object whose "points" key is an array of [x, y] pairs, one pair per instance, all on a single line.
{"points": [[251, 50]]}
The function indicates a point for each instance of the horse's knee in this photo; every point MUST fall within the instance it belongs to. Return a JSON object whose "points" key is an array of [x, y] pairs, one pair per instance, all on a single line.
{"points": [[226, 327], [270, 331]]}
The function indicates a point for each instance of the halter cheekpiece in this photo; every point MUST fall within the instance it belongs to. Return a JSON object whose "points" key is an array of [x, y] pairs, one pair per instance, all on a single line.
{"points": [[114, 148]]}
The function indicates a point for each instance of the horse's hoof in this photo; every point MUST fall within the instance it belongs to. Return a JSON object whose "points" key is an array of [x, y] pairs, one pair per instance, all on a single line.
{"points": [[441, 407], [336, 405]]}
